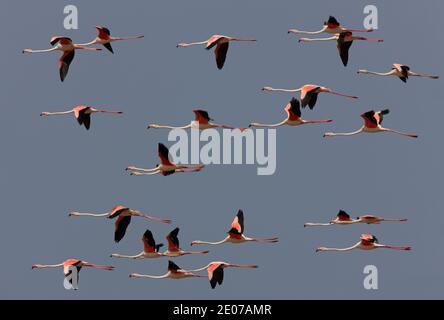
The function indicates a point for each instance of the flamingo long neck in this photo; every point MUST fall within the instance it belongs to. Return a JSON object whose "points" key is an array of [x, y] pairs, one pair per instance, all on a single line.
{"points": [[211, 243], [318, 39], [201, 269], [332, 134], [340, 249], [383, 74], [87, 214], [40, 50], [307, 32], [58, 113], [184, 45], [96, 40], [117, 255], [157, 126], [136, 275], [309, 224], [255, 124], [142, 169], [43, 266], [281, 90]]}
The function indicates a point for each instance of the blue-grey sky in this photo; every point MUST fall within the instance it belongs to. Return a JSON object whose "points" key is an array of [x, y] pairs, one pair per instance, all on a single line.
{"points": [[50, 166]]}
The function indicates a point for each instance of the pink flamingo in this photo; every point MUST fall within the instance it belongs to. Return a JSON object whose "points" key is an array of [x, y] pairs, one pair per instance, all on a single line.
{"points": [[401, 71], [82, 114], [343, 218], [222, 44], [372, 124], [165, 168], [104, 38], [367, 242], [68, 48], [309, 93], [293, 110], [331, 26], [236, 234]]}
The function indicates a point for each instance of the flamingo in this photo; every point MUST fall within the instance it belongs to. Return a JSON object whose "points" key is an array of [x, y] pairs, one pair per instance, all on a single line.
{"points": [[68, 48], [367, 242], [104, 38], [331, 26], [165, 168], [82, 114], [216, 271], [236, 234], [202, 121], [78, 264], [222, 44], [343, 218], [372, 124], [309, 93], [399, 70], [123, 215], [293, 110], [150, 248], [174, 272], [344, 42], [174, 249]]}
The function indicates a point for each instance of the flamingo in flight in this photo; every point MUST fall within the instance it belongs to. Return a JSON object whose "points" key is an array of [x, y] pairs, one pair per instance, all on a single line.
{"points": [[166, 167], [236, 234], [372, 124], [309, 93], [151, 249], [331, 26], [123, 215], [221, 43], [399, 70], [68, 48], [293, 110], [82, 114], [367, 242], [344, 42], [343, 218], [216, 271], [174, 272], [78, 264], [104, 38], [174, 249], [202, 121]]}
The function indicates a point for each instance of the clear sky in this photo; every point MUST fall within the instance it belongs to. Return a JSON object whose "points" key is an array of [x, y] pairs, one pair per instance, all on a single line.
{"points": [[51, 166]]}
